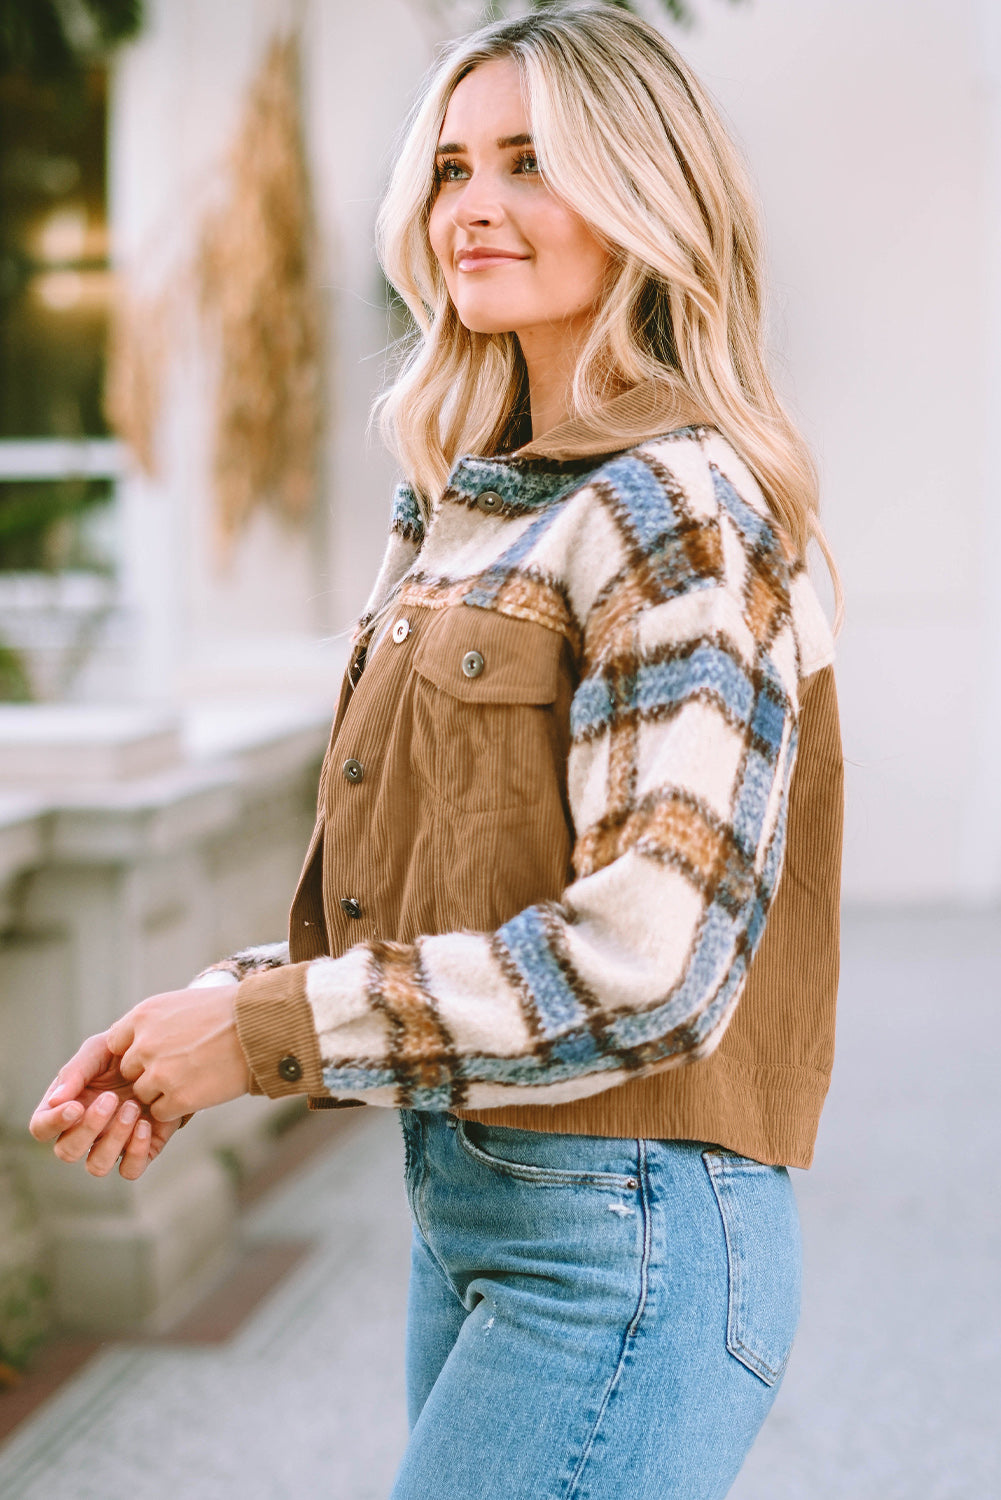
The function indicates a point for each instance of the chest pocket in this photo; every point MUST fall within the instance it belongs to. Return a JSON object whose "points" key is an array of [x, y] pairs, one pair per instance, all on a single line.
{"points": [[486, 727]]}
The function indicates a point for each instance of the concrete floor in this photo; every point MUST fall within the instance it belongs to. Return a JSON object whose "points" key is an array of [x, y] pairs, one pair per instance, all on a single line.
{"points": [[894, 1391]]}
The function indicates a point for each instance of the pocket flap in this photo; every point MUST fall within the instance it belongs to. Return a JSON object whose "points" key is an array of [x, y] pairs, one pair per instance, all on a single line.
{"points": [[484, 657]]}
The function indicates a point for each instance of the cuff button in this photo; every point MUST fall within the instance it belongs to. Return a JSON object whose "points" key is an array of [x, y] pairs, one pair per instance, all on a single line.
{"points": [[290, 1068]]}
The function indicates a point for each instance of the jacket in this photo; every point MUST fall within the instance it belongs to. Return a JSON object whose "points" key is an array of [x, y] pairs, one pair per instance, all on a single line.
{"points": [[545, 885]]}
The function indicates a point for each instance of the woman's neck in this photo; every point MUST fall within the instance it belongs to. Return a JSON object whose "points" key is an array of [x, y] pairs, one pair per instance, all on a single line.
{"points": [[550, 354], [550, 402]]}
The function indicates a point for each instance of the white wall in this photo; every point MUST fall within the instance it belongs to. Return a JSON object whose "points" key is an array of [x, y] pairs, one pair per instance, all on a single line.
{"points": [[869, 126]]}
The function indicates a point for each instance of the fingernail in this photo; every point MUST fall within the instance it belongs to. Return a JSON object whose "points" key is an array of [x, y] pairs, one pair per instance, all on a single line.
{"points": [[142, 1130], [72, 1112], [106, 1103], [129, 1113]]}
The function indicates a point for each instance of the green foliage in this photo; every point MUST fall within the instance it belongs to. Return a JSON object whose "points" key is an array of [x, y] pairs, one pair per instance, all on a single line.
{"points": [[232, 1164], [47, 527], [24, 1315], [286, 1119], [15, 686], [39, 522], [56, 38]]}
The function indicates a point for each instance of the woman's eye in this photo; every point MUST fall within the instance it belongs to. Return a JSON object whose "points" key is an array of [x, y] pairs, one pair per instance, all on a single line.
{"points": [[528, 163], [449, 171]]}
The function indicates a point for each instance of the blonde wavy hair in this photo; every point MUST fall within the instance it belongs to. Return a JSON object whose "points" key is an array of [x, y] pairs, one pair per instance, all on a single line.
{"points": [[625, 134]]}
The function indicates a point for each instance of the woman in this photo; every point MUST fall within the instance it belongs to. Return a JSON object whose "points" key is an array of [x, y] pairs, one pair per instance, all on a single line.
{"points": [[589, 714]]}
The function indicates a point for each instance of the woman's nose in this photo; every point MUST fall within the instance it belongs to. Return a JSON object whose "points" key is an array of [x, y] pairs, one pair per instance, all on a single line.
{"points": [[478, 204]]}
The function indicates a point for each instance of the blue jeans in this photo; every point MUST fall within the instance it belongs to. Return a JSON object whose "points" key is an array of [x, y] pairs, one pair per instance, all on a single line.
{"points": [[590, 1318]]}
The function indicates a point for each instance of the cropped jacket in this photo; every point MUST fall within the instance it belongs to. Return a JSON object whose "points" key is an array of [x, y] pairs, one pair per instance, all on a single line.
{"points": [[576, 857]]}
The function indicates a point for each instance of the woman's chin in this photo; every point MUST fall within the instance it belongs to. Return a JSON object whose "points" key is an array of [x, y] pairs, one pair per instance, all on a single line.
{"points": [[485, 320]]}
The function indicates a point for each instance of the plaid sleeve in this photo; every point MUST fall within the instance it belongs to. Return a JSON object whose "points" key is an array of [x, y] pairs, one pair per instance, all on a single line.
{"points": [[683, 742], [237, 966]]}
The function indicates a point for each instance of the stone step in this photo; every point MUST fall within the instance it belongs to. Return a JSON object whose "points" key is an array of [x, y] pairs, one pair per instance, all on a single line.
{"points": [[43, 745]]}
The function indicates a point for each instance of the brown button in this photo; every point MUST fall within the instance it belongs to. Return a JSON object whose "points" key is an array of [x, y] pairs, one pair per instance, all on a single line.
{"points": [[489, 501], [353, 770], [472, 664], [350, 906], [290, 1068], [400, 631]]}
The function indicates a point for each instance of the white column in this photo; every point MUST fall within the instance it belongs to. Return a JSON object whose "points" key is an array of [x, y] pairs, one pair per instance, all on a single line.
{"points": [[981, 833]]}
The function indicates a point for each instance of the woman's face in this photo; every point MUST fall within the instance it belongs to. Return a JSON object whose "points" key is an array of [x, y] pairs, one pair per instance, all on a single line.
{"points": [[515, 259]]}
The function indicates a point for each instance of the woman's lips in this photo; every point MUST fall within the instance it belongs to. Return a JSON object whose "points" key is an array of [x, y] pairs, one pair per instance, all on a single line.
{"points": [[484, 260]]}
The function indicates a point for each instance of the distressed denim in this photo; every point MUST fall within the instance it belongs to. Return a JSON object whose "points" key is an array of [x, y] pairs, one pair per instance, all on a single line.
{"points": [[590, 1318]]}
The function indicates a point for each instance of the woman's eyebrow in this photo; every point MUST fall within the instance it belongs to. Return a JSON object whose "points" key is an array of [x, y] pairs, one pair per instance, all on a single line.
{"points": [[455, 148]]}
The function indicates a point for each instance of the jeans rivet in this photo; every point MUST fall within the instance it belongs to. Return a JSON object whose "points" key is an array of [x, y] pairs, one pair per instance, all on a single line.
{"points": [[631, 1182]]}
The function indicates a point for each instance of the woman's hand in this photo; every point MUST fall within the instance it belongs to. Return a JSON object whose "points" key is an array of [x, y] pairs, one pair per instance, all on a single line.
{"points": [[180, 1051], [124, 1093], [91, 1111]]}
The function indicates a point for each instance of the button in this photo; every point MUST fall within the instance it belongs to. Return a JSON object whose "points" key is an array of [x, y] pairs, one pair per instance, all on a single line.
{"points": [[353, 770], [472, 664], [400, 631], [489, 501], [350, 906], [290, 1068]]}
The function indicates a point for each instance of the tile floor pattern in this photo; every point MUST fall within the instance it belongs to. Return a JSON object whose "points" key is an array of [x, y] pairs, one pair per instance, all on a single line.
{"points": [[306, 1399], [895, 1385]]}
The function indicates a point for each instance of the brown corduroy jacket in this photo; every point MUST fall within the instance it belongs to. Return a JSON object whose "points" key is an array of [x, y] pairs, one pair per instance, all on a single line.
{"points": [[446, 807]]}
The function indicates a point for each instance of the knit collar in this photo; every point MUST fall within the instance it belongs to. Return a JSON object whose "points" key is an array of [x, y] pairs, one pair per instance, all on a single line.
{"points": [[553, 464]]}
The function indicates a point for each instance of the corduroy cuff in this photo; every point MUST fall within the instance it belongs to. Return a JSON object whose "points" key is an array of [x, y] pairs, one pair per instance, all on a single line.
{"points": [[275, 1025]]}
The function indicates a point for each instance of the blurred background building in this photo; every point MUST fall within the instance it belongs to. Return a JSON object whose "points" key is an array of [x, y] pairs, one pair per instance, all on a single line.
{"points": [[173, 601]]}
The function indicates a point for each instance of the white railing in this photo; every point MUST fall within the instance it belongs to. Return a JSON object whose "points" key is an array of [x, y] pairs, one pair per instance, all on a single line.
{"points": [[61, 458]]}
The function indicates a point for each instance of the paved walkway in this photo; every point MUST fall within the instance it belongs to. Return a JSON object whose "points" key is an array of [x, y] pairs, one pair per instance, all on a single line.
{"points": [[894, 1391]]}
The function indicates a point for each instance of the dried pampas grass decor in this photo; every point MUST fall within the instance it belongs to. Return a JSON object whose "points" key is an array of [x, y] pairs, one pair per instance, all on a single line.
{"points": [[253, 278], [256, 285], [133, 387]]}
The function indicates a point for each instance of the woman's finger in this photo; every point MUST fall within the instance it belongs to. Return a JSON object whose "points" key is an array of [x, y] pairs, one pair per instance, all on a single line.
{"points": [[86, 1064], [136, 1156], [166, 1110], [119, 1036], [130, 1064], [144, 1090], [113, 1140], [77, 1141], [48, 1123]]}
